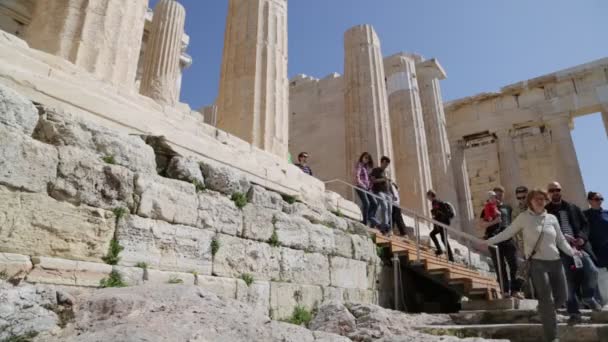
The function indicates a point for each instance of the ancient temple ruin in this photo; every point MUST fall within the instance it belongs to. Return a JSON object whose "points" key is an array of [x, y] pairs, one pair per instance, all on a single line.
{"points": [[96, 144]]}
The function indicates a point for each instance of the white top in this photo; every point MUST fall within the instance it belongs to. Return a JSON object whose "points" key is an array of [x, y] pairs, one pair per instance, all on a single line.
{"points": [[529, 223]]}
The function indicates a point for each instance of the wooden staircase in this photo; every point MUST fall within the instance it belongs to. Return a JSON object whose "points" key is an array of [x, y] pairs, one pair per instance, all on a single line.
{"points": [[458, 278]]}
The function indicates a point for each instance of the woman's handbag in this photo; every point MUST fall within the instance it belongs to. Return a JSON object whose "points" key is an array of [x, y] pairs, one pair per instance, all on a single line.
{"points": [[523, 271]]}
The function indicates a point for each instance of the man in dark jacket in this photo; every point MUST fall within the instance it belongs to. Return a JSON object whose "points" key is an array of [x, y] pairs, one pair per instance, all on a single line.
{"points": [[598, 238], [575, 228], [441, 212]]}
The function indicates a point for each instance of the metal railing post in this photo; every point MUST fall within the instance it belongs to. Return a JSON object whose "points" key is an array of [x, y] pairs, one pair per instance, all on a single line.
{"points": [[417, 225], [397, 281], [469, 254], [499, 269]]}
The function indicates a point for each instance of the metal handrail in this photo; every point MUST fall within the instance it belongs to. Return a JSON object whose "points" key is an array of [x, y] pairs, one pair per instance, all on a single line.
{"points": [[446, 228]]}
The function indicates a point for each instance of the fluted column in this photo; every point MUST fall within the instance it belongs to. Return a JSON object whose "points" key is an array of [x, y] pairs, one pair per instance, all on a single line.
{"points": [[162, 56], [102, 36], [565, 161], [254, 88], [510, 173], [430, 73], [463, 189], [410, 151], [367, 124]]}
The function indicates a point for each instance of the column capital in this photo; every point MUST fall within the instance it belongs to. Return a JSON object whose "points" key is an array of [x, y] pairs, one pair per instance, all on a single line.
{"points": [[431, 68]]}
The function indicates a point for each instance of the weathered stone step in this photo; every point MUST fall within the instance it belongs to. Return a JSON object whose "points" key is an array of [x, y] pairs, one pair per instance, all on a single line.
{"points": [[518, 317], [500, 304], [522, 332]]}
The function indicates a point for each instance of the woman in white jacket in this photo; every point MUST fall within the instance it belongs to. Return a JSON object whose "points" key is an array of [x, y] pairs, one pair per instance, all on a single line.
{"points": [[546, 269]]}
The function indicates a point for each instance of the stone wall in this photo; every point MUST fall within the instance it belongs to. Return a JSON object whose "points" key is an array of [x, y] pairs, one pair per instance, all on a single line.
{"points": [[71, 190]]}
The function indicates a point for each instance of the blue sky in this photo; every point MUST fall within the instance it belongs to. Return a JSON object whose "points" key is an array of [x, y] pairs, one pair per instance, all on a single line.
{"points": [[482, 44]]}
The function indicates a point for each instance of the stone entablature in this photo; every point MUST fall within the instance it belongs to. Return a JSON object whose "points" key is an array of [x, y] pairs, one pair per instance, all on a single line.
{"points": [[530, 122]]}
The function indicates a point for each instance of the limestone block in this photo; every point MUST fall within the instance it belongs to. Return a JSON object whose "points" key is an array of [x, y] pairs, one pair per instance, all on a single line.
{"points": [[293, 231], [333, 294], [344, 244], [304, 268], [258, 222], [263, 198], [331, 220], [348, 273], [67, 272], [321, 336], [166, 199], [25, 163], [162, 277], [35, 224], [360, 296], [313, 215], [62, 129], [236, 257], [132, 276], [364, 248], [257, 295], [17, 112], [84, 179], [164, 246], [14, 265], [222, 287], [322, 239], [225, 180], [185, 169], [356, 227], [373, 275], [284, 297], [218, 212], [281, 331]]}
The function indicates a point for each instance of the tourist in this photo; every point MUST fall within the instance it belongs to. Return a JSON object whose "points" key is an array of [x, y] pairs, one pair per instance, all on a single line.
{"points": [[363, 185], [443, 212], [521, 194], [598, 238], [303, 163], [490, 210], [546, 268], [397, 215], [380, 187], [575, 229], [507, 250]]}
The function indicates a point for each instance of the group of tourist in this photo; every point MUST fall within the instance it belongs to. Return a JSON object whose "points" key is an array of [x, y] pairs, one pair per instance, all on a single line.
{"points": [[564, 248]]}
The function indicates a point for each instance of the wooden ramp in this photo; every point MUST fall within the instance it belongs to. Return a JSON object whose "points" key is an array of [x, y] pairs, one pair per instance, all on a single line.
{"points": [[468, 282]]}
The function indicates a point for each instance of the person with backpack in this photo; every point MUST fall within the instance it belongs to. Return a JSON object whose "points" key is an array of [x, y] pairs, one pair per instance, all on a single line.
{"points": [[443, 212]]}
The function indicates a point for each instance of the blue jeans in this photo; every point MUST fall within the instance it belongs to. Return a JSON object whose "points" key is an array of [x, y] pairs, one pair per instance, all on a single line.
{"points": [[369, 205], [583, 281], [386, 207]]}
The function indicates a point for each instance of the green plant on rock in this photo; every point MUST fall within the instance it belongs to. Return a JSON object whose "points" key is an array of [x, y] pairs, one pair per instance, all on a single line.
{"points": [[112, 257], [109, 159], [300, 316], [239, 199], [113, 280], [3, 275], [382, 252], [247, 278], [120, 212], [175, 280], [289, 199], [200, 187], [338, 212], [142, 265], [215, 246], [274, 240], [27, 337]]}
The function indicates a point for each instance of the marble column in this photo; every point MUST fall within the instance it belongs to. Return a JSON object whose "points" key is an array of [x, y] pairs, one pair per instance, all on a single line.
{"points": [[367, 123], [162, 56], [411, 156], [463, 189], [605, 119], [510, 172], [565, 161], [430, 73], [253, 100], [103, 37]]}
